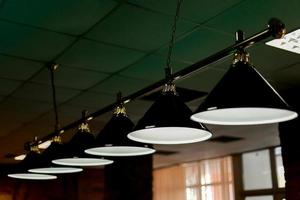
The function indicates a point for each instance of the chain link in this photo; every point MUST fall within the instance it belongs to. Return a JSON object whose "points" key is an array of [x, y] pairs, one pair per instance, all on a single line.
{"points": [[168, 68]]}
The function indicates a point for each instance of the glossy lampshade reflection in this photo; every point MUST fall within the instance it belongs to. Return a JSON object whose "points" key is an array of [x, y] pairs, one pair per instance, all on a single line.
{"points": [[168, 122], [32, 176], [112, 139], [243, 97]]}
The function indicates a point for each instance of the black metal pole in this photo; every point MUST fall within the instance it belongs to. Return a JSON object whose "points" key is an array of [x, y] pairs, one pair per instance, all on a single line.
{"points": [[275, 29]]}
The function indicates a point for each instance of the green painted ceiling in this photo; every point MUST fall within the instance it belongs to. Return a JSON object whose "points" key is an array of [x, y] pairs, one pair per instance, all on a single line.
{"points": [[105, 46]]}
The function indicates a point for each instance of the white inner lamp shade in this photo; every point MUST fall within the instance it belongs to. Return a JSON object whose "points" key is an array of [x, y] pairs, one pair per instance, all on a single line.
{"points": [[82, 162], [29, 176], [55, 170], [169, 135], [120, 151], [244, 116]]}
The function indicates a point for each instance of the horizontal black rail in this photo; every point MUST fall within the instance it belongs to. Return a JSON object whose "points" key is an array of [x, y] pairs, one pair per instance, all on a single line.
{"points": [[275, 28]]}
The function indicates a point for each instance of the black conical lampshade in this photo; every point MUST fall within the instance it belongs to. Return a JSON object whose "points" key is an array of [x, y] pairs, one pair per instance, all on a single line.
{"points": [[82, 140], [243, 97], [113, 141], [56, 150], [115, 131], [168, 122], [32, 159]]}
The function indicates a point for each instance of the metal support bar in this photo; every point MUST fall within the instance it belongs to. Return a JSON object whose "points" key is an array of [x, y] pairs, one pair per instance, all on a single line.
{"points": [[275, 28]]}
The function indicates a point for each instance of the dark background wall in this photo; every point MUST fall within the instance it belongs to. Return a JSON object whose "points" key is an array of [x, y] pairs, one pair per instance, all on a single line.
{"points": [[87, 185]]}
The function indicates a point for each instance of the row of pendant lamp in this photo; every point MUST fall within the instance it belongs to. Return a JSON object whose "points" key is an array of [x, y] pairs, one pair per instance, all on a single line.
{"points": [[111, 141], [242, 97]]}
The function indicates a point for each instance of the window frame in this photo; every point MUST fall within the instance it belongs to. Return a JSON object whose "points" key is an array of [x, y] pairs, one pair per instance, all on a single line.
{"points": [[199, 185], [240, 193]]}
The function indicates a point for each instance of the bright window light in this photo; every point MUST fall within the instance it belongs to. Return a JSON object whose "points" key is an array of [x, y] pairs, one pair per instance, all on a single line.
{"points": [[290, 42]]}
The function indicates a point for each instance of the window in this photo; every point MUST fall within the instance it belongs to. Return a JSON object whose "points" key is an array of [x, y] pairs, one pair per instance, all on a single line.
{"points": [[279, 168], [204, 180], [258, 175], [262, 175], [257, 170], [192, 181], [210, 180]]}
